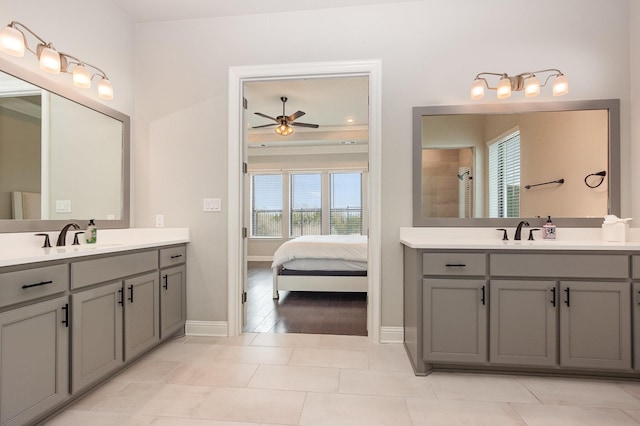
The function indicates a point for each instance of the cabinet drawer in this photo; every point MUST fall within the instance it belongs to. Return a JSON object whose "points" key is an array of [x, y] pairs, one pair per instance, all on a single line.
{"points": [[559, 265], [454, 264], [112, 268], [21, 286], [173, 256]]}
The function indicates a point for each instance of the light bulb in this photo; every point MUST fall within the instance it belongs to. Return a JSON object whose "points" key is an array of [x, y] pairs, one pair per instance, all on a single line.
{"points": [[532, 86], [284, 129], [477, 89], [81, 77], [12, 41], [49, 60], [504, 88], [105, 89], [560, 85]]}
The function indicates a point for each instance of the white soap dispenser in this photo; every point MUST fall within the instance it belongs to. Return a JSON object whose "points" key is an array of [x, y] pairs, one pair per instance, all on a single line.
{"points": [[549, 230]]}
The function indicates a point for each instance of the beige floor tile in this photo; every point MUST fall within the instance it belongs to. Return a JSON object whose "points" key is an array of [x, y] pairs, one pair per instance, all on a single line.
{"points": [[182, 352], [479, 387], [632, 388], [557, 415], [344, 342], [212, 374], [430, 412], [148, 370], [335, 358], [254, 355], [292, 340], [634, 414], [388, 357], [185, 421], [314, 379], [241, 340], [384, 383], [83, 418], [252, 405], [99, 394], [156, 399], [322, 409], [580, 392]]}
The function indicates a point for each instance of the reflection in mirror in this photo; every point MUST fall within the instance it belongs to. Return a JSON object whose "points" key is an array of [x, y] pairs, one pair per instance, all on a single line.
{"points": [[62, 157], [524, 161]]}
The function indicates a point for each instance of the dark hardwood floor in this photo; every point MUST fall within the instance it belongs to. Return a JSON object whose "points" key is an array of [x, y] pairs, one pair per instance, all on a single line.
{"points": [[301, 311]]}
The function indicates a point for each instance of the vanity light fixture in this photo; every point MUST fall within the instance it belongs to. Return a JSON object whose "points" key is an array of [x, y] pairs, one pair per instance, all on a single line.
{"points": [[13, 41], [527, 82]]}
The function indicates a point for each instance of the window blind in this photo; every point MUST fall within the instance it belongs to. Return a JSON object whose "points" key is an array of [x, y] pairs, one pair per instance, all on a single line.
{"points": [[504, 177], [266, 205], [306, 204], [345, 207]]}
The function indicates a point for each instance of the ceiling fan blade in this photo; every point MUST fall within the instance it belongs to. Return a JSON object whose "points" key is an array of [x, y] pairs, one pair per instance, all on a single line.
{"points": [[266, 116], [314, 126], [296, 115], [265, 125]]}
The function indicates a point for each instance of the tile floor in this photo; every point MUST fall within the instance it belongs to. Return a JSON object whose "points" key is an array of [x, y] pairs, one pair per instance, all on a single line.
{"points": [[303, 379]]}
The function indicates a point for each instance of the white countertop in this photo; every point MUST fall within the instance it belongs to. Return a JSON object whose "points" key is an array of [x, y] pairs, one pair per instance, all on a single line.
{"points": [[22, 248], [489, 238]]}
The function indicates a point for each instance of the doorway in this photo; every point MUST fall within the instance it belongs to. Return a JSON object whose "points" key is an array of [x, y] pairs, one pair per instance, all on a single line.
{"points": [[236, 244]]}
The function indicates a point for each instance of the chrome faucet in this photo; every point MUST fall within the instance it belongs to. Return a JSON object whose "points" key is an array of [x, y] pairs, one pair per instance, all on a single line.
{"points": [[62, 237], [517, 237]]}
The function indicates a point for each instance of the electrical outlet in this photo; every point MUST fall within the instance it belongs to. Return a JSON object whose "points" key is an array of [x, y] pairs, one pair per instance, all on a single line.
{"points": [[159, 221]]}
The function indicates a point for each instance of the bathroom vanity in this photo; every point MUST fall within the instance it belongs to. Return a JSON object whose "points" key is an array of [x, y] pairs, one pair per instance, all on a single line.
{"points": [[71, 316], [568, 306]]}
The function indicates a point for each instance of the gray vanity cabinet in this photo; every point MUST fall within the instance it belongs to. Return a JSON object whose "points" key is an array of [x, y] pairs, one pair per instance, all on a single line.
{"points": [[523, 322], [595, 325], [636, 323], [97, 334], [34, 360], [455, 320], [141, 317], [173, 300]]}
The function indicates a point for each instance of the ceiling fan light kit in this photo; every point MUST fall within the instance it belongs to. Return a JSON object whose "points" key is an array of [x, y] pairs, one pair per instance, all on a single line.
{"points": [[284, 122]]}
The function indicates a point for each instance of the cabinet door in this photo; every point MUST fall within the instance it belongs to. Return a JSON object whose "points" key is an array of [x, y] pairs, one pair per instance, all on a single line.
{"points": [[455, 320], [141, 316], [173, 300], [636, 322], [97, 334], [522, 324], [595, 325], [34, 360]]}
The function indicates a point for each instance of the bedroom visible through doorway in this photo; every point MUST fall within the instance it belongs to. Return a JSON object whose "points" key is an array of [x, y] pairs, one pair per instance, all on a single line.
{"points": [[311, 183]]}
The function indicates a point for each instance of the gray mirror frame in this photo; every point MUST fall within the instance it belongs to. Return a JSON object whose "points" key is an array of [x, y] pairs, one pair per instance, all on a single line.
{"points": [[613, 174], [13, 225]]}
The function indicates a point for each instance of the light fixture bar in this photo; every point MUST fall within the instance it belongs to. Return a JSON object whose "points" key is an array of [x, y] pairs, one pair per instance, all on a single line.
{"points": [[14, 42], [527, 82]]}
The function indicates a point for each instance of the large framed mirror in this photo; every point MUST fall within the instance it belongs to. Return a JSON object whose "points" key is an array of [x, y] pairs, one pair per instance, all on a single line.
{"points": [[494, 165], [63, 158]]}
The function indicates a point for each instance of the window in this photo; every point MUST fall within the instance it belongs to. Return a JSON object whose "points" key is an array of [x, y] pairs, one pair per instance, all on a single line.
{"points": [[504, 176], [345, 207], [306, 204], [266, 205]]}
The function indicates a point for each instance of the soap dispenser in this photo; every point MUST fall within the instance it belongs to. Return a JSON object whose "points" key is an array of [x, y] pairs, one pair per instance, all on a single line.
{"points": [[91, 233], [549, 230]]}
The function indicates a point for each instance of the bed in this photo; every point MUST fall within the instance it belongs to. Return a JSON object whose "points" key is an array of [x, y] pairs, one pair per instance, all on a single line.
{"points": [[321, 263]]}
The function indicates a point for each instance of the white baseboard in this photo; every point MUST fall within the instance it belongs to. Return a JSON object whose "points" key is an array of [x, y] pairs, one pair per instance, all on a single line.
{"points": [[391, 334], [207, 328], [259, 258]]}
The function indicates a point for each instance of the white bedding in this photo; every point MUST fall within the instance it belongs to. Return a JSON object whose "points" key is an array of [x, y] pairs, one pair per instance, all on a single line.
{"points": [[348, 251]]}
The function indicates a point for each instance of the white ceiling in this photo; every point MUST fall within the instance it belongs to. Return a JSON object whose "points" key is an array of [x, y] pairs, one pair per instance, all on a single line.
{"points": [[171, 10]]}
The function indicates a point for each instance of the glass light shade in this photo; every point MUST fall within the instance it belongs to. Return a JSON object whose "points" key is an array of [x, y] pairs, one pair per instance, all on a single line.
{"points": [[12, 41], [81, 77], [504, 88], [105, 89], [560, 86], [284, 130], [50, 60], [477, 89], [532, 86]]}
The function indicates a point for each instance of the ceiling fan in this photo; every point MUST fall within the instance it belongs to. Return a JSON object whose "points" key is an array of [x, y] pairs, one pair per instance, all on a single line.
{"points": [[284, 122]]}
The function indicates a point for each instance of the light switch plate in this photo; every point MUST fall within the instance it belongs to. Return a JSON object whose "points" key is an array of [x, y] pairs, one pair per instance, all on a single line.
{"points": [[211, 204], [63, 206]]}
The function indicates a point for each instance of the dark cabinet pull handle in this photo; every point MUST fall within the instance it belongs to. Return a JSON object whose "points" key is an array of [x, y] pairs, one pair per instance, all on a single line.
{"points": [[121, 301], [175, 256], [482, 299], [568, 301], [65, 321], [131, 293], [553, 296], [37, 284], [166, 282], [638, 297], [455, 265]]}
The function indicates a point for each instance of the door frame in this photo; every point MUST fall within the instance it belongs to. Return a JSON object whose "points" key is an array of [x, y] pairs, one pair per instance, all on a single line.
{"points": [[237, 76]]}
